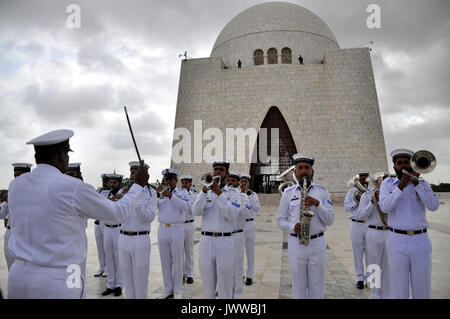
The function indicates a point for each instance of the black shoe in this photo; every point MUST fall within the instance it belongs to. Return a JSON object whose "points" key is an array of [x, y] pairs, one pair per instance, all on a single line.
{"points": [[248, 281], [107, 292], [117, 291], [360, 285], [100, 273], [189, 280]]}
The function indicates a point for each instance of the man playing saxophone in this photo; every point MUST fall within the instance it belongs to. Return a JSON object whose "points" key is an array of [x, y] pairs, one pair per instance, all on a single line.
{"points": [[307, 262]]}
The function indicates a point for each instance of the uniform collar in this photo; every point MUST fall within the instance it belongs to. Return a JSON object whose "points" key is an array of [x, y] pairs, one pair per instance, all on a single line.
{"points": [[300, 187], [47, 169]]}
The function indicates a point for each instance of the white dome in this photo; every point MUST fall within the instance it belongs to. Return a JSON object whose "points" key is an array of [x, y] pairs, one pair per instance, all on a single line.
{"points": [[277, 25]]}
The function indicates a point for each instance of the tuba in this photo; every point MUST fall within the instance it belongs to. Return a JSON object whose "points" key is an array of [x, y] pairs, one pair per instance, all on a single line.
{"points": [[287, 184], [305, 216], [422, 162]]}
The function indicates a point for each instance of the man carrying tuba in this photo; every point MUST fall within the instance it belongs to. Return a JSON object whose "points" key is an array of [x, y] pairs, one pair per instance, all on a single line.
{"points": [[307, 262], [404, 199], [358, 227]]}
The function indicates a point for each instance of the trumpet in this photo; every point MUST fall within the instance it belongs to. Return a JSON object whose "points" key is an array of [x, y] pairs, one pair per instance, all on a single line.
{"points": [[422, 162], [208, 179], [164, 189]]}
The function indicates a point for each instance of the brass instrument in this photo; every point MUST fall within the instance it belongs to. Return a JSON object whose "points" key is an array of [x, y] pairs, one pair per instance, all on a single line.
{"points": [[208, 180], [287, 184], [354, 182], [305, 216], [422, 162], [377, 179]]}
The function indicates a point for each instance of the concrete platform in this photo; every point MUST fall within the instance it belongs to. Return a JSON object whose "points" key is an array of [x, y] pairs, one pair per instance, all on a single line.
{"points": [[272, 278]]}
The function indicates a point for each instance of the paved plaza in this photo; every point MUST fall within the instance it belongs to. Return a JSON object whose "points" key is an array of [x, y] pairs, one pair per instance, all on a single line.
{"points": [[272, 278]]}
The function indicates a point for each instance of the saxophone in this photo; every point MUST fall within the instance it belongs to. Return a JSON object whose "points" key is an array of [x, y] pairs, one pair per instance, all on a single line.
{"points": [[305, 216]]}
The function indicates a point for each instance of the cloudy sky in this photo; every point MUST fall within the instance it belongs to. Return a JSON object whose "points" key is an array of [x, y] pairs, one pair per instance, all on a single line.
{"points": [[127, 53]]}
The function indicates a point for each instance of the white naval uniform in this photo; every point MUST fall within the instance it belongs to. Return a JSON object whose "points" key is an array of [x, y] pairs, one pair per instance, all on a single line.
{"points": [[409, 255], [4, 214], [216, 252], [189, 234], [376, 244], [134, 250], [111, 245], [99, 239], [49, 231], [357, 235], [171, 237], [307, 263], [250, 234], [239, 246]]}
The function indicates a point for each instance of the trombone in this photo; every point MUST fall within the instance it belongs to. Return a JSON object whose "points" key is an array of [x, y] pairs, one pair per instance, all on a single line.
{"points": [[422, 162]]}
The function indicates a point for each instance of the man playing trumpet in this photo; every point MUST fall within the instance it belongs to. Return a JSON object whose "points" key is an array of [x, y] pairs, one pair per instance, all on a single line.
{"points": [[404, 199], [219, 207], [307, 262]]}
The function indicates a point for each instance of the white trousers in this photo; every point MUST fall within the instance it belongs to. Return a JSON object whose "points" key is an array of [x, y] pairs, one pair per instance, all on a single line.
{"points": [[409, 265], [134, 257], [377, 254], [8, 257], [307, 264], [111, 243], [358, 238], [238, 264], [189, 234], [100, 246], [216, 266], [250, 234], [28, 281], [171, 252]]}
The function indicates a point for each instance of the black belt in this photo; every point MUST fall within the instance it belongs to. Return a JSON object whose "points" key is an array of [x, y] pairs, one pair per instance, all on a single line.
{"points": [[249, 220], [9, 227], [313, 236], [189, 221], [134, 233], [358, 221], [208, 233], [97, 222], [113, 226], [379, 227], [408, 232], [238, 231]]}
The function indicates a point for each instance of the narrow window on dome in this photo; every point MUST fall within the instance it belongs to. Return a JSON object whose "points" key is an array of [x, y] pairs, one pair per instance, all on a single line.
{"points": [[286, 55], [258, 57], [272, 56]]}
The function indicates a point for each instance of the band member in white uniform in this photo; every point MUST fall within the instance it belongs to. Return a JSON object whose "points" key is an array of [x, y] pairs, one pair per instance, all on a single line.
{"points": [[111, 233], [49, 212], [376, 237], [74, 170], [358, 229], [219, 208], [307, 262], [19, 169], [238, 236], [189, 232], [99, 226], [408, 244], [250, 227], [172, 208], [134, 242]]}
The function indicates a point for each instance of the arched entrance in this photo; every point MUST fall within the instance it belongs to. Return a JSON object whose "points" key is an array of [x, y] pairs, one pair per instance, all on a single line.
{"points": [[264, 173]]}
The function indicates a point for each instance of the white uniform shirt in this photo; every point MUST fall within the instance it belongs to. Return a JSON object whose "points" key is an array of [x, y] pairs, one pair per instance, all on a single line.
{"points": [[350, 204], [218, 212], [173, 210], [367, 209], [4, 211], [144, 213], [189, 215], [290, 204], [253, 205], [244, 212], [49, 215], [406, 209]]}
